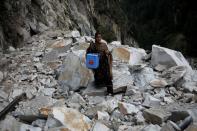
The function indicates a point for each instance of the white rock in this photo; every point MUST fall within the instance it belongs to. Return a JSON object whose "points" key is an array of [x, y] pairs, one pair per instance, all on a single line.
{"points": [[62, 43], [72, 119], [11, 49], [32, 107], [160, 67], [102, 116], [36, 59], [158, 83], [1, 76], [3, 94], [81, 54], [52, 123], [121, 53], [160, 93], [92, 90], [84, 39], [143, 77], [31, 92], [136, 67], [139, 118], [93, 100], [25, 127], [130, 128], [75, 101], [131, 90], [120, 84], [39, 123], [190, 86], [117, 115], [100, 127], [80, 46], [168, 57], [174, 74], [128, 54], [151, 101], [39, 66], [8, 123], [72, 73], [152, 127], [17, 92], [110, 104], [168, 100], [116, 43], [136, 55], [75, 34], [156, 115], [126, 108], [11, 124], [48, 91], [38, 54]]}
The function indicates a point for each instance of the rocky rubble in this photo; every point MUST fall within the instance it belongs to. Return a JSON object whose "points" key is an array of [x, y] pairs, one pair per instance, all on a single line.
{"points": [[60, 94]]}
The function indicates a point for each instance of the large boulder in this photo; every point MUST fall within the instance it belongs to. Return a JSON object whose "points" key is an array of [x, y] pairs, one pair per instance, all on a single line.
{"points": [[73, 74], [121, 53], [167, 57], [143, 77], [71, 119], [128, 54], [156, 115], [137, 55], [174, 74], [121, 83]]}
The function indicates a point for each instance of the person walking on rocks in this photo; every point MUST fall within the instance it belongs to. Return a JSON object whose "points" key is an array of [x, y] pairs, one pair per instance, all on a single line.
{"points": [[102, 74]]}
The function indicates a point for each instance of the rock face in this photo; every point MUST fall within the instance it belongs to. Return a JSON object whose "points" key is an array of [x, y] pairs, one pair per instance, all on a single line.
{"points": [[33, 17], [36, 16], [168, 57], [73, 73]]}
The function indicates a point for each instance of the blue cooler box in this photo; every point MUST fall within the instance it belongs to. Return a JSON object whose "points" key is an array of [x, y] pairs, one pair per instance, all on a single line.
{"points": [[92, 60]]}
